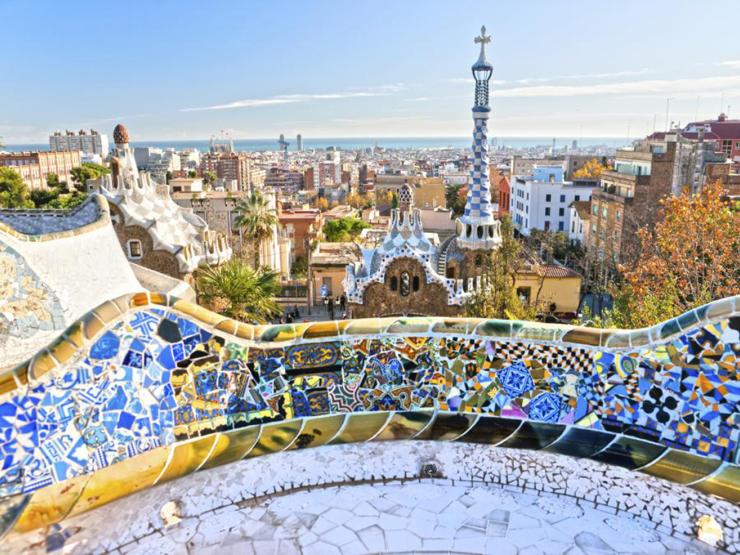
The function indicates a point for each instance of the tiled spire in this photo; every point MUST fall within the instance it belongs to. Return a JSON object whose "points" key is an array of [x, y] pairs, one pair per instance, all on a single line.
{"points": [[477, 228]]}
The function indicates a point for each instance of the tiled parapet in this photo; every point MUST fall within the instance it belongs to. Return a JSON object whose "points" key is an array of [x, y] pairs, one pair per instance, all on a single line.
{"points": [[46, 225], [147, 388]]}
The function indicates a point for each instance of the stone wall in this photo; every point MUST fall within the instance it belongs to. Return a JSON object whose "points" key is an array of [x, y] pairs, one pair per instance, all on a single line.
{"points": [[380, 300]]}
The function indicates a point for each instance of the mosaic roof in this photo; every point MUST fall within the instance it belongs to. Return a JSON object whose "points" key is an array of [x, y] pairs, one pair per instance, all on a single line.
{"points": [[173, 228]]}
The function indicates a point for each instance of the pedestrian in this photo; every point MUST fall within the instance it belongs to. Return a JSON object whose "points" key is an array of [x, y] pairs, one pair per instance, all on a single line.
{"points": [[330, 308], [296, 312], [343, 302]]}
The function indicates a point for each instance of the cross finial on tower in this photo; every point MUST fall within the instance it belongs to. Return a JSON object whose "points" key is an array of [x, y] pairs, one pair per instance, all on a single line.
{"points": [[483, 38]]}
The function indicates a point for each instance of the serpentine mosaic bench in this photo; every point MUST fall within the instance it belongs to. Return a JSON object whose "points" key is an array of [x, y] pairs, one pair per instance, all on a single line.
{"points": [[147, 388]]}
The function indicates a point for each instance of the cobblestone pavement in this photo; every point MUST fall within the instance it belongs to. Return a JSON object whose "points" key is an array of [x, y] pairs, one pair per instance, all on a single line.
{"points": [[368, 498]]}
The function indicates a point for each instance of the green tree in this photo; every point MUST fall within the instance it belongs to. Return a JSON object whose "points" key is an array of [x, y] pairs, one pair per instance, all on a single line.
{"points": [[238, 291], [88, 170], [52, 181], [549, 245], [343, 229], [192, 174], [498, 298], [256, 219], [13, 190], [41, 198], [453, 200], [299, 268], [209, 178]]}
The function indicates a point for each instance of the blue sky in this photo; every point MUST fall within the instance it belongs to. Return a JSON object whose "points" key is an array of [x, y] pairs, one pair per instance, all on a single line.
{"points": [[188, 69]]}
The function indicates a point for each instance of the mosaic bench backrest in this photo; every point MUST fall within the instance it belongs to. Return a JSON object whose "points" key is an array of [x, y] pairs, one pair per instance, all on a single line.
{"points": [[148, 388]]}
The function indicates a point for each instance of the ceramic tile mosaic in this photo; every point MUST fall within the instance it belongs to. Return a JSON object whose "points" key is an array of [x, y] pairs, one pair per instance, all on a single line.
{"points": [[27, 304], [155, 377]]}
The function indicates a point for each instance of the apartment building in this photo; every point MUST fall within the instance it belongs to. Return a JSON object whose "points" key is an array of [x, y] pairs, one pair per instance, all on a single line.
{"points": [[542, 200], [90, 142], [35, 167]]}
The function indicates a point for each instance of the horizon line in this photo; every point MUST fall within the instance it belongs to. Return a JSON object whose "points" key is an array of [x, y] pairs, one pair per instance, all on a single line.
{"points": [[366, 137]]}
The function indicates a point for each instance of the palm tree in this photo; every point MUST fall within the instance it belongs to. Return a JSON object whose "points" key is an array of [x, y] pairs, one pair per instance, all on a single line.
{"points": [[238, 291], [257, 219]]}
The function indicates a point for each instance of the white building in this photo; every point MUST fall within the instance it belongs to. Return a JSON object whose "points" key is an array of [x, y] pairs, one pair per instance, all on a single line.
{"points": [[90, 142], [580, 217], [157, 161], [189, 159], [542, 200]]}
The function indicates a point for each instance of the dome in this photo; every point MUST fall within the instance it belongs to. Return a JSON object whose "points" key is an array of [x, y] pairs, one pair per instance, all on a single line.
{"points": [[120, 134]]}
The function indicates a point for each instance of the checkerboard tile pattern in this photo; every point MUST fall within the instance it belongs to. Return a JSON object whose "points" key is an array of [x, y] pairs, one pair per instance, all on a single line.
{"points": [[478, 206]]}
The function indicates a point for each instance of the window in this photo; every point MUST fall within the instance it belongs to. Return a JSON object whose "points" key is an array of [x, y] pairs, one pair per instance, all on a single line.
{"points": [[561, 226], [603, 211], [394, 283], [405, 288], [595, 209], [415, 283], [573, 227], [548, 198], [561, 211], [524, 293], [547, 225], [547, 211], [134, 249], [478, 260], [578, 197], [562, 198], [326, 287]]}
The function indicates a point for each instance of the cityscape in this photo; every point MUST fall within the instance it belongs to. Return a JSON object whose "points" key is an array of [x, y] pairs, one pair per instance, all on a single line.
{"points": [[482, 299]]}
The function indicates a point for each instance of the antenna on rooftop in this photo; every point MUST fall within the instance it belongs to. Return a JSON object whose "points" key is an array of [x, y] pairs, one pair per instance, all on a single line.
{"points": [[667, 110]]}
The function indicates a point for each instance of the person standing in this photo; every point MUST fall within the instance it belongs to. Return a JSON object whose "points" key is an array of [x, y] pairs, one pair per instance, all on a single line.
{"points": [[330, 308]]}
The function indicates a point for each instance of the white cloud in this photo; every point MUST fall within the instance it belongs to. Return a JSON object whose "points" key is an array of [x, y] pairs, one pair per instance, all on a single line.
{"points": [[528, 80], [735, 64], [384, 90], [668, 87]]}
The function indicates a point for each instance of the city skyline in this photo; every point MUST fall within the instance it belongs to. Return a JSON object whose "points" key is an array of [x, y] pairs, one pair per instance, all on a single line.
{"points": [[266, 70]]}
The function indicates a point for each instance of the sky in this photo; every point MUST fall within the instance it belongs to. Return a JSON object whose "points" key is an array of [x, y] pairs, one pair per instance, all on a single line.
{"points": [[186, 69]]}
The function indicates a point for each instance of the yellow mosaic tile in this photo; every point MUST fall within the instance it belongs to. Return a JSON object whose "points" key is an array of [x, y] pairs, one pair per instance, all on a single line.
{"points": [[42, 363], [275, 437], [361, 427], [318, 431], [121, 479], [51, 504], [187, 458], [233, 446]]}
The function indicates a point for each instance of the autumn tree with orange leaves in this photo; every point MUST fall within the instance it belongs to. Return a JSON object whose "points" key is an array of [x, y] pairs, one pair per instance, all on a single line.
{"points": [[590, 170], [691, 257]]}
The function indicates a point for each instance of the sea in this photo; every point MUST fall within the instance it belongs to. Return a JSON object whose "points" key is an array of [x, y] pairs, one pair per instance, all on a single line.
{"points": [[353, 143]]}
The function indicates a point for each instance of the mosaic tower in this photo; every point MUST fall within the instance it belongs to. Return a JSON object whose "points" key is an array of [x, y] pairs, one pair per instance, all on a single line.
{"points": [[478, 228]]}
